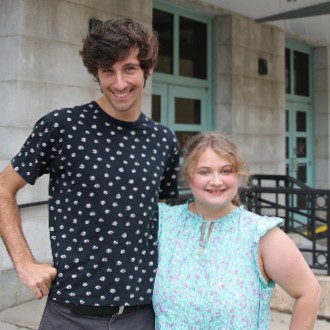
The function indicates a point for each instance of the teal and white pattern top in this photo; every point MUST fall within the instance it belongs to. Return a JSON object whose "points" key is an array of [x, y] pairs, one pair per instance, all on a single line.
{"points": [[219, 288]]}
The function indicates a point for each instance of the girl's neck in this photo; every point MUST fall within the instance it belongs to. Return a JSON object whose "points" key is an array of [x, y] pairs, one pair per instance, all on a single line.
{"points": [[210, 214]]}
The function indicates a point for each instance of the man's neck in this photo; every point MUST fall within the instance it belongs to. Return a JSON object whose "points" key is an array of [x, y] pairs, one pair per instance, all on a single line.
{"points": [[128, 116]]}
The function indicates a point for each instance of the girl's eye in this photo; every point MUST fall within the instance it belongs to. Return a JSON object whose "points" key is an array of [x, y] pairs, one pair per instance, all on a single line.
{"points": [[227, 170], [204, 172]]}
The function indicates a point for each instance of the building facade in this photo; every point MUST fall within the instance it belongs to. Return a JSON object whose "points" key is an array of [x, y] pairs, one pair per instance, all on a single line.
{"points": [[217, 70]]}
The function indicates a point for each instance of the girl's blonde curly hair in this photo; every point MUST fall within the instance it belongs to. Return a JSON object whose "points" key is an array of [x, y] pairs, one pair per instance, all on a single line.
{"points": [[220, 144]]}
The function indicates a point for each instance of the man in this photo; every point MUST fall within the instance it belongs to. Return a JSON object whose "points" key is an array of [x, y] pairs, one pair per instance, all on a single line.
{"points": [[108, 164]]}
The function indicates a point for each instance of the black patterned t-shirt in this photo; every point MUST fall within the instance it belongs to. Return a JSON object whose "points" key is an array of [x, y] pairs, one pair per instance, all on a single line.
{"points": [[106, 177]]}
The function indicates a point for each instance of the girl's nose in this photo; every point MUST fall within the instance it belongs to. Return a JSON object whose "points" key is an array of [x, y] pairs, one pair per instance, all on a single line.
{"points": [[216, 179]]}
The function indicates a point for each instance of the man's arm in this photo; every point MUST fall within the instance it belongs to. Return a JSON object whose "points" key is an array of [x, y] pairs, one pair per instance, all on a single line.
{"points": [[37, 277]]}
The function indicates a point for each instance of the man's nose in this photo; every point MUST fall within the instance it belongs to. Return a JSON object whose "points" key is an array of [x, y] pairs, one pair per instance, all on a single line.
{"points": [[119, 81]]}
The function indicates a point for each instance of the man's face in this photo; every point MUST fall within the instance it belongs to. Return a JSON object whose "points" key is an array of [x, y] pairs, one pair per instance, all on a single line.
{"points": [[122, 86]]}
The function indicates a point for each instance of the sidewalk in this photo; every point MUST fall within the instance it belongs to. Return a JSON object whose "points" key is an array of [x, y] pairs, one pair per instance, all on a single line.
{"points": [[27, 317]]}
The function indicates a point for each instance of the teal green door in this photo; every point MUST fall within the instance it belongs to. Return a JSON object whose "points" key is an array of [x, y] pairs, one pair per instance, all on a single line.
{"points": [[299, 153], [183, 109], [299, 112], [183, 80]]}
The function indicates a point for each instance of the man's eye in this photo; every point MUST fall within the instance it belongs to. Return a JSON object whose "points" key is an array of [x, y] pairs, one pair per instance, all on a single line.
{"points": [[130, 68]]}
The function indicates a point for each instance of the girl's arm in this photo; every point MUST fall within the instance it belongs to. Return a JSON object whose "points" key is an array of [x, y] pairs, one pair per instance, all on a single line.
{"points": [[281, 261]]}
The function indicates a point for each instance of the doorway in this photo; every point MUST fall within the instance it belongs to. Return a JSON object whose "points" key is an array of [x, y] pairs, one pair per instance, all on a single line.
{"points": [[299, 112], [182, 85]]}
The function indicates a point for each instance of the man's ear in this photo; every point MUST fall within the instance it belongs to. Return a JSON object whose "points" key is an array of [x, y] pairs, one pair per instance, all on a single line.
{"points": [[147, 74]]}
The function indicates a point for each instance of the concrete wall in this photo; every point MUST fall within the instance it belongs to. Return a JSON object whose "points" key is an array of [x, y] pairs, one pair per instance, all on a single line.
{"points": [[40, 70], [322, 116], [248, 103]]}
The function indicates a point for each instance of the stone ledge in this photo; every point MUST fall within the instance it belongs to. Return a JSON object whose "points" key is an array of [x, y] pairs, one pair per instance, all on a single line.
{"points": [[12, 292], [282, 302]]}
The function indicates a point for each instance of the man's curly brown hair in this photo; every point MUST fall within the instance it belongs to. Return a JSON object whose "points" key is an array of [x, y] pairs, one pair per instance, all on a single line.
{"points": [[113, 40]]}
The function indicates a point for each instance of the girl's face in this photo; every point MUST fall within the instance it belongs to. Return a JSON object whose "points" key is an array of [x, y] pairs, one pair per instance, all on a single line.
{"points": [[214, 184]]}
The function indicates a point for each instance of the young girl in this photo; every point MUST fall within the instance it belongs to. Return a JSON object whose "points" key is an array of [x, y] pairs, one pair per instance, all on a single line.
{"points": [[218, 262]]}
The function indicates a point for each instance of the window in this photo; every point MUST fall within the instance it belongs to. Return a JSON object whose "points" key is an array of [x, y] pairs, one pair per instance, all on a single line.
{"points": [[297, 80], [163, 24], [301, 73], [191, 59], [192, 54]]}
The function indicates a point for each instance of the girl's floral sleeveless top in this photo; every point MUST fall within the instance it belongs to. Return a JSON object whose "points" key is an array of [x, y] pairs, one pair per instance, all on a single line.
{"points": [[219, 288]]}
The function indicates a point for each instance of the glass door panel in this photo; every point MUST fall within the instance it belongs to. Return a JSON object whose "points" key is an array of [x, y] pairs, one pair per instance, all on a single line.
{"points": [[301, 73], [192, 48], [287, 71], [159, 103], [301, 121], [189, 111], [156, 108], [301, 147], [163, 24]]}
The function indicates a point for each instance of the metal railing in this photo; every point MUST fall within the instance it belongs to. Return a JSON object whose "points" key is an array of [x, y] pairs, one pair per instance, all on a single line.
{"points": [[306, 212], [22, 206]]}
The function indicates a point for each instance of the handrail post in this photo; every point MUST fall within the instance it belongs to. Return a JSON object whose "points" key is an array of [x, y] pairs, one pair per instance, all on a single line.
{"points": [[328, 232], [286, 223]]}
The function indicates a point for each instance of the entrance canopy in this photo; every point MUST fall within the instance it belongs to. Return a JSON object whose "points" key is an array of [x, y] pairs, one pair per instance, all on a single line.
{"points": [[308, 19]]}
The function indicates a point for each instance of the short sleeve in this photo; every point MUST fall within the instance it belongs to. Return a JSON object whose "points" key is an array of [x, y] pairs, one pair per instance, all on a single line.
{"points": [[266, 223], [41, 150]]}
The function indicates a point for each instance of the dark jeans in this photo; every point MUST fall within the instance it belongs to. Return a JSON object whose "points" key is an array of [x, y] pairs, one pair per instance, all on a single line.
{"points": [[56, 317]]}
